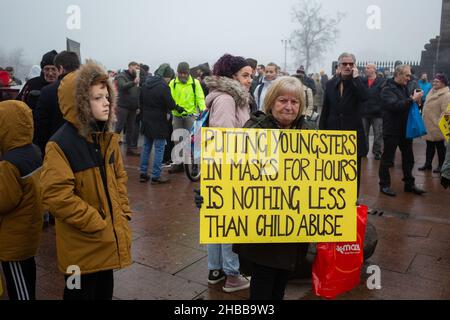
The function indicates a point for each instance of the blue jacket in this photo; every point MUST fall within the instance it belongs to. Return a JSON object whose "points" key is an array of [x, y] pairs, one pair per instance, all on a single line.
{"points": [[426, 87]]}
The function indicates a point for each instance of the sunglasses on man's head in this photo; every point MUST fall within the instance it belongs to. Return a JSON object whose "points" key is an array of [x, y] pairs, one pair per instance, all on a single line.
{"points": [[351, 64]]}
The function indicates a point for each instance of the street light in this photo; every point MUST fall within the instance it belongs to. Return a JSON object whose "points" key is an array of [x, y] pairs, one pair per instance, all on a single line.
{"points": [[285, 43]]}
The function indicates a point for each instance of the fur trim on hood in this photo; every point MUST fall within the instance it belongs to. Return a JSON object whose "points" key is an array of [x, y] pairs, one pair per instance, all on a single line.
{"points": [[223, 84], [73, 94]]}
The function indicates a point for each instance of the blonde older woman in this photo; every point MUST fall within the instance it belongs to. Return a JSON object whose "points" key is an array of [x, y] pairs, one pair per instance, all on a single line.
{"points": [[271, 263], [435, 105]]}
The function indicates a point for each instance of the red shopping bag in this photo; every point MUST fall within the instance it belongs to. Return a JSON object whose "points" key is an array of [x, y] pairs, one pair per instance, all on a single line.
{"points": [[337, 266]]}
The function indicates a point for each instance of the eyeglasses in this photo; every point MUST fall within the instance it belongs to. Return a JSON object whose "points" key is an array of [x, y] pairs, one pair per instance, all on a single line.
{"points": [[351, 64]]}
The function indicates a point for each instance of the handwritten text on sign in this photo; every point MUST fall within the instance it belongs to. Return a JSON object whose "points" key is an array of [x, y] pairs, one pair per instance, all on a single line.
{"points": [[279, 186]]}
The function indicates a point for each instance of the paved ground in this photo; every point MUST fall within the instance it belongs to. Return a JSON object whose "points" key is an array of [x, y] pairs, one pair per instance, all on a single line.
{"points": [[413, 250]]}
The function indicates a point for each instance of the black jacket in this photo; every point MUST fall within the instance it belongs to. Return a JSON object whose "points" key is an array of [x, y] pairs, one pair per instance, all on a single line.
{"points": [[284, 256], [345, 113], [323, 81], [307, 81], [156, 103], [396, 103], [47, 115], [31, 91], [372, 107], [128, 91]]}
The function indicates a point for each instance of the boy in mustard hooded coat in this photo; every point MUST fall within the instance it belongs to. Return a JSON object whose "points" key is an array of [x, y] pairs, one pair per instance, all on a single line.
{"points": [[84, 186]]}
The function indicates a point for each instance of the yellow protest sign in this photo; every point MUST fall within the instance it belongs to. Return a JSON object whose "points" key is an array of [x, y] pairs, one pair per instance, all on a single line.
{"points": [[444, 125], [279, 186]]}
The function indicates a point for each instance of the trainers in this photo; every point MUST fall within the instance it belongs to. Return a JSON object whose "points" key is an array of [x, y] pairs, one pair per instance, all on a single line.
{"points": [[215, 276], [236, 283], [159, 180], [144, 177]]}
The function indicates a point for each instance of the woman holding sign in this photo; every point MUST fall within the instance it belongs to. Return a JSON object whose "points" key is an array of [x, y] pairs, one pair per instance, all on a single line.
{"points": [[272, 263], [228, 102], [435, 105]]}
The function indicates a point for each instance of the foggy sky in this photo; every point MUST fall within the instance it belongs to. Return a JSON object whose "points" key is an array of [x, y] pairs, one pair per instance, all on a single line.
{"points": [[115, 32]]}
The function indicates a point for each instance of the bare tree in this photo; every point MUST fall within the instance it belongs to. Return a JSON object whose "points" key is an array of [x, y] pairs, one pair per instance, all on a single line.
{"points": [[315, 34]]}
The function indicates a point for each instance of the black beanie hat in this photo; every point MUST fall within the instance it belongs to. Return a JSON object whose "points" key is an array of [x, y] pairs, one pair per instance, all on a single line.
{"points": [[183, 67], [47, 59]]}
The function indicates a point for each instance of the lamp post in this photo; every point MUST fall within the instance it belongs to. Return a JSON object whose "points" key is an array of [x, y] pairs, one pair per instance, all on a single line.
{"points": [[285, 43]]}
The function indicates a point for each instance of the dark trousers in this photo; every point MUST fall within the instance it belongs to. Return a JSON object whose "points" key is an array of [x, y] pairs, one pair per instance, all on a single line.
{"points": [[377, 125], [432, 147], [135, 135], [126, 117], [387, 159], [169, 143], [94, 286], [20, 277], [268, 283]]}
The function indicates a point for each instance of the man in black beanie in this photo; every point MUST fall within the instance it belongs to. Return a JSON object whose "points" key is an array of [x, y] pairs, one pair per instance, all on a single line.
{"points": [[32, 89], [47, 115]]}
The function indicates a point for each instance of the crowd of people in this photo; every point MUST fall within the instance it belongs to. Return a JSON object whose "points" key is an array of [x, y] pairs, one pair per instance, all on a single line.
{"points": [[61, 161]]}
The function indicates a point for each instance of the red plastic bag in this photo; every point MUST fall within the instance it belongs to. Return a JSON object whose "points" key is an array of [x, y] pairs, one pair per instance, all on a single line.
{"points": [[337, 266]]}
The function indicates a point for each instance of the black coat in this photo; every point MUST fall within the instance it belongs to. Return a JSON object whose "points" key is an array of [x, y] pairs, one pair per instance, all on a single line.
{"points": [[345, 113], [396, 103], [323, 81], [31, 91], [156, 104], [128, 91], [306, 81], [47, 115], [372, 107], [284, 256]]}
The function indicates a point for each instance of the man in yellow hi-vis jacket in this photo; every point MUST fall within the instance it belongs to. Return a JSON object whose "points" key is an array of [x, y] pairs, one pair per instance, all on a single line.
{"points": [[188, 94]]}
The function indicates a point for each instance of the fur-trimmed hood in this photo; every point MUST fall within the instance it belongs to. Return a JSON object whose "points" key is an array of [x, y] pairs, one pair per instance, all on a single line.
{"points": [[73, 95], [227, 85]]}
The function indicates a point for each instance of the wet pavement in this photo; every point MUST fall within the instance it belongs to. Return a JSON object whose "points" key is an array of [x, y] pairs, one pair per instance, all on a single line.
{"points": [[413, 250]]}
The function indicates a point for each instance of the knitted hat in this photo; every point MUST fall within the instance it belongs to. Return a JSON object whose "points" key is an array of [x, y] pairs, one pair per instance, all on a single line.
{"points": [[47, 59], [183, 67], [442, 78], [165, 71], [229, 65]]}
